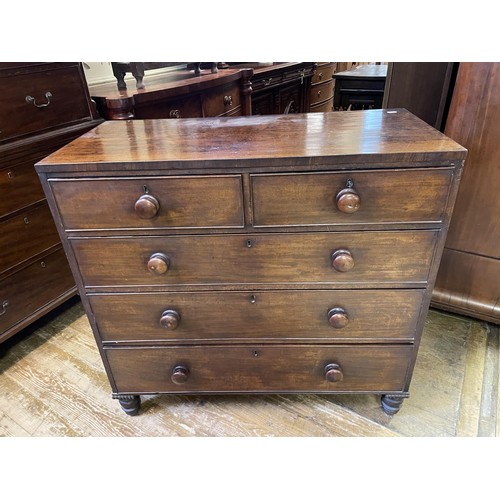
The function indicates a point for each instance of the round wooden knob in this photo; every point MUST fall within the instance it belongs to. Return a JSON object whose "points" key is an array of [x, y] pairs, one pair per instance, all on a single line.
{"points": [[180, 374], [333, 372], [338, 318], [347, 199], [342, 260], [147, 206], [158, 263], [170, 319]]}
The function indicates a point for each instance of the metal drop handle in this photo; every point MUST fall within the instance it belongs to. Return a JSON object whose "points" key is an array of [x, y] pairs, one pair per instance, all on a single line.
{"points": [[5, 303], [32, 100]]}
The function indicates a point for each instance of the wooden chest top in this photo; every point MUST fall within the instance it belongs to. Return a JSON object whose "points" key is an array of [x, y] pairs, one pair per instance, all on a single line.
{"points": [[302, 140]]}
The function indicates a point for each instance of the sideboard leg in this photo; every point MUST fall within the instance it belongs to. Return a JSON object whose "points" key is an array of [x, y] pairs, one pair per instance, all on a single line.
{"points": [[130, 404], [391, 404]]}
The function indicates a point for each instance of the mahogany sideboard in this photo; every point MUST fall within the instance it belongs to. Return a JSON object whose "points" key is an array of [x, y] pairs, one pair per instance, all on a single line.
{"points": [[258, 254], [241, 89], [44, 106]]}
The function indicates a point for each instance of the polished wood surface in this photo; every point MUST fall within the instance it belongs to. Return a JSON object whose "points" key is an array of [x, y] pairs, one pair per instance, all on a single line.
{"points": [[382, 135], [469, 278], [53, 384], [326, 250]]}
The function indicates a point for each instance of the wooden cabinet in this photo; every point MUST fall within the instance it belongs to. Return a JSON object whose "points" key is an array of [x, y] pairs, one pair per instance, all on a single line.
{"points": [[270, 254], [44, 106], [468, 281]]}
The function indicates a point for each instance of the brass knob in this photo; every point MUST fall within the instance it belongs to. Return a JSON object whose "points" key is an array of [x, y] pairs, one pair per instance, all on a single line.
{"points": [[147, 206], [333, 372], [170, 319], [180, 374], [347, 199], [338, 318], [158, 263], [174, 113], [342, 261], [228, 100]]}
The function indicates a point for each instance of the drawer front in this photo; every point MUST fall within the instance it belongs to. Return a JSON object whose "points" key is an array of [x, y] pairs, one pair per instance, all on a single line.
{"points": [[32, 102], [24, 292], [221, 101], [189, 107], [378, 258], [26, 235], [323, 107], [320, 315], [321, 92], [384, 197], [323, 73], [20, 187], [183, 202], [259, 368]]}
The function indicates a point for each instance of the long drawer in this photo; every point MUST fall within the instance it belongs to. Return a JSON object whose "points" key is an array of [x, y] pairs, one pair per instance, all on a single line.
{"points": [[259, 368], [345, 315], [379, 258], [182, 202], [43, 99], [384, 197], [25, 292], [26, 235]]}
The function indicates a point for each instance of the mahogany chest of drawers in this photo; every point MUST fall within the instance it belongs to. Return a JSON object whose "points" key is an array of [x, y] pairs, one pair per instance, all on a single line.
{"points": [[42, 107], [274, 254]]}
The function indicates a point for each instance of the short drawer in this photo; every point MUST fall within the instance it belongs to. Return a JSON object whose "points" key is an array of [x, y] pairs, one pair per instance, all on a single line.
{"points": [[188, 107], [32, 102], [346, 315], [26, 235], [20, 187], [323, 107], [379, 258], [321, 92], [176, 202], [25, 292], [321, 198], [221, 101], [323, 73], [259, 369]]}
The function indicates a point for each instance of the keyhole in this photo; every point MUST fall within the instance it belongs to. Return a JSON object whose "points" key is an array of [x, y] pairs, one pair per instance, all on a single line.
{"points": [[253, 299], [249, 243], [146, 190]]}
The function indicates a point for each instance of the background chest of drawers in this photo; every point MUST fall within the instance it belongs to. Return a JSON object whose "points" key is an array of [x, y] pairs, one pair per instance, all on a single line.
{"points": [[43, 106], [285, 253], [322, 87]]}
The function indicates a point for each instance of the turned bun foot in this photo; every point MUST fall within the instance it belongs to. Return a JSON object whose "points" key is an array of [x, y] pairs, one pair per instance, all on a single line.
{"points": [[391, 404], [130, 404]]}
